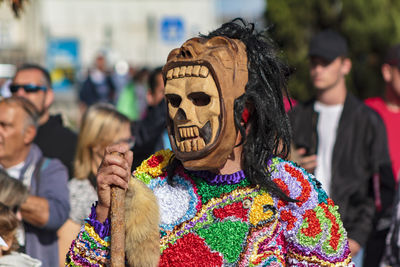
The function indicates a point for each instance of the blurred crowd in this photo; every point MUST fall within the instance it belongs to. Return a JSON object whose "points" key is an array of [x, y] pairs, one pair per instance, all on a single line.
{"points": [[48, 171]]}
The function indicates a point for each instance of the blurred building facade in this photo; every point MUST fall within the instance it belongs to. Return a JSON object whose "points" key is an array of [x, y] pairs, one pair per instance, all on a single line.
{"points": [[140, 32], [21, 39], [66, 35]]}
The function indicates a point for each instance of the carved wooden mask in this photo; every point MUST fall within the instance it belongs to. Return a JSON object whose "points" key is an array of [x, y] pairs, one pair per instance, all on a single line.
{"points": [[203, 79]]}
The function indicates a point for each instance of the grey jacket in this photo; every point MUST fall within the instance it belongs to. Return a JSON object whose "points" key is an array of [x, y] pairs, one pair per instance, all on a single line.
{"points": [[51, 184]]}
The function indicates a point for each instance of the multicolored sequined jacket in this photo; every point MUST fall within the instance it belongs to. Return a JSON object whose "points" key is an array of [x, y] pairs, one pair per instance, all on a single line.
{"points": [[217, 220]]}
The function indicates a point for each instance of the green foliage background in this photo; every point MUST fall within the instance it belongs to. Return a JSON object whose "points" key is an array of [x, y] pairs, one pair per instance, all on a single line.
{"points": [[370, 27]]}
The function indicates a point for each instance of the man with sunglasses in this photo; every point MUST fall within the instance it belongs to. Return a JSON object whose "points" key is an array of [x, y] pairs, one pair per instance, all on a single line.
{"points": [[33, 82]]}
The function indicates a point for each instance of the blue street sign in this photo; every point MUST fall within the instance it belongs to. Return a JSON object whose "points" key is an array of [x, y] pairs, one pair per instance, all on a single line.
{"points": [[172, 29], [62, 59]]}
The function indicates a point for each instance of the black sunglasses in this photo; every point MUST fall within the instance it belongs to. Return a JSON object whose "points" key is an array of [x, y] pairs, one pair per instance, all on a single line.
{"points": [[29, 88]]}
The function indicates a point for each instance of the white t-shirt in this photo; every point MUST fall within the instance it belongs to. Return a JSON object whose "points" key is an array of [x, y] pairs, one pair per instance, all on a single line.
{"points": [[15, 171], [328, 121]]}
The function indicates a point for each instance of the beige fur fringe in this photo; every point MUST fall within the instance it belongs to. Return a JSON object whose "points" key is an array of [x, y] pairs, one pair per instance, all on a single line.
{"points": [[142, 241]]}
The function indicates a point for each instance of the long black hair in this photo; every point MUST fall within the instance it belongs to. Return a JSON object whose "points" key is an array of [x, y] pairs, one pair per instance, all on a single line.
{"points": [[269, 131]]}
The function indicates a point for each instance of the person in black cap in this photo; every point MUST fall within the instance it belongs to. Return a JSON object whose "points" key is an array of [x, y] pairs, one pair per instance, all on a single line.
{"points": [[340, 140], [388, 107]]}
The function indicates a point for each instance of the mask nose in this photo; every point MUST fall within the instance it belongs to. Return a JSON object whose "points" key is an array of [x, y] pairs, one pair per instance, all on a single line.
{"points": [[181, 115]]}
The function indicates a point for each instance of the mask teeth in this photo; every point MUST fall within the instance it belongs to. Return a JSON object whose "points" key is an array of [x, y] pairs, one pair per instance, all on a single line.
{"points": [[188, 146], [176, 73], [203, 72], [200, 144], [169, 74], [188, 132], [195, 146], [182, 71], [188, 71], [180, 146], [195, 143], [196, 131], [191, 145], [196, 70]]}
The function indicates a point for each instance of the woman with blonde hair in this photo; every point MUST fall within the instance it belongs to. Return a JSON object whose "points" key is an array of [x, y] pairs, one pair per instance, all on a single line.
{"points": [[101, 125]]}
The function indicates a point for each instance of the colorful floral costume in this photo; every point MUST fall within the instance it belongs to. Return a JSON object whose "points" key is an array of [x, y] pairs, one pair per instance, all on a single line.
{"points": [[218, 220]]}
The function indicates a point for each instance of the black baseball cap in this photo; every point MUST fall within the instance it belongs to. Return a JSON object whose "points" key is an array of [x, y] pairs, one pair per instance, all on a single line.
{"points": [[393, 56], [328, 45]]}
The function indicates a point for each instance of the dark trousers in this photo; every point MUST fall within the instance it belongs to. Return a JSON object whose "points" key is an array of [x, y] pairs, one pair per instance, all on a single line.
{"points": [[375, 248]]}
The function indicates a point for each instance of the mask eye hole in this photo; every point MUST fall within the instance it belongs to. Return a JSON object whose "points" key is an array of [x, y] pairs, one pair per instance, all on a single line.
{"points": [[174, 100], [199, 98]]}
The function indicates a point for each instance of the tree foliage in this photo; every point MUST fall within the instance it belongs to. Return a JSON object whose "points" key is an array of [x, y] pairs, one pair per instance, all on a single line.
{"points": [[370, 27]]}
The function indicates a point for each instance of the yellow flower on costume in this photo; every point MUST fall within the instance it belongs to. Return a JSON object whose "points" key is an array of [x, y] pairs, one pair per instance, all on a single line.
{"points": [[155, 163]]}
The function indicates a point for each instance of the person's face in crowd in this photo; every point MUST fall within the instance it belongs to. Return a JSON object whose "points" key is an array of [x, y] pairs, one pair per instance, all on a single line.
{"points": [[325, 74], [41, 99], [123, 135], [101, 63], [15, 136], [391, 75], [158, 94]]}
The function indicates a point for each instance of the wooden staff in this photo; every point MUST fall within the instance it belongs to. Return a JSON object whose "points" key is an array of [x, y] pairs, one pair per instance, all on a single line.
{"points": [[117, 216]]}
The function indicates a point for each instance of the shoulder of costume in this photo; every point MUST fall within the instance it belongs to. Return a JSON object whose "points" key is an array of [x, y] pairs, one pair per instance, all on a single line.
{"points": [[298, 184], [154, 166]]}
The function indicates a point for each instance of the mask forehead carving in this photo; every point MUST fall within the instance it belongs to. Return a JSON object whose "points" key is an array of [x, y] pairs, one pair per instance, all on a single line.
{"points": [[203, 78]]}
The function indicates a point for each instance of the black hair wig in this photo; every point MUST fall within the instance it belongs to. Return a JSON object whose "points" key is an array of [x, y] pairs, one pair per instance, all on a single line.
{"points": [[269, 131]]}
